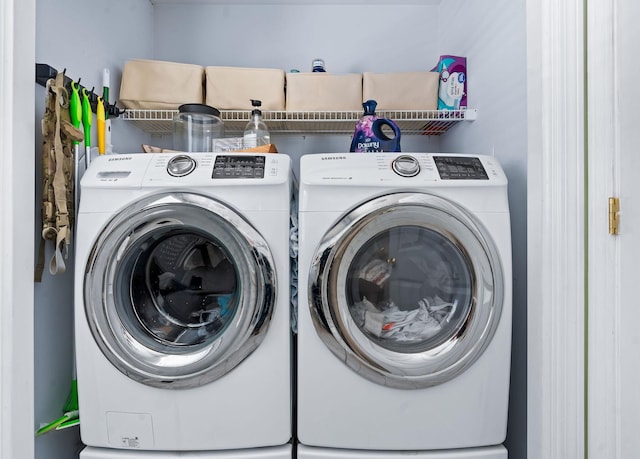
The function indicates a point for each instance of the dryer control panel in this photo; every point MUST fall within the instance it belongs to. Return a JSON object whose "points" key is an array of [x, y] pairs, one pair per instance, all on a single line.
{"points": [[403, 169], [460, 168]]}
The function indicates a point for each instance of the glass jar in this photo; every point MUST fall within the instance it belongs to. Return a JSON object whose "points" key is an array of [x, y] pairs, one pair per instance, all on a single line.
{"points": [[195, 126]]}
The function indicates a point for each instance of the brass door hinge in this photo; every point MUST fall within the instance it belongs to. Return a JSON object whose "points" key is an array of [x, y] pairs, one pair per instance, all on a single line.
{"points": [[614, 217]]}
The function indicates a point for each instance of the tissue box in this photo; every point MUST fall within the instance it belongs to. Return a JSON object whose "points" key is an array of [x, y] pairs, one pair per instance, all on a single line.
{"points": [[452, 89], [324, 92], [160, 85], [401, 91], [232, 88]]}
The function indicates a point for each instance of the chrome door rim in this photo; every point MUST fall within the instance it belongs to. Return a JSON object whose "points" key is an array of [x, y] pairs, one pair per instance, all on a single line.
{"points": [[336, 328], [194, 365]]}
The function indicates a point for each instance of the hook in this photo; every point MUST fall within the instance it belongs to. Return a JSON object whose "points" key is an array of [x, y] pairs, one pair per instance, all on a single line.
{"points": [[114, 111], [44, 72]]}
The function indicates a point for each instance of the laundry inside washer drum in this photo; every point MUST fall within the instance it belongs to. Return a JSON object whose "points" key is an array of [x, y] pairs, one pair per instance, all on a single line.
{"points": [[183, 289]]}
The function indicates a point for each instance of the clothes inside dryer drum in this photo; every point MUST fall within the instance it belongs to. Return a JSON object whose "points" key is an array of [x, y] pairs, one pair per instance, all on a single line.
{"points": [[409, 288], [421, 323]]}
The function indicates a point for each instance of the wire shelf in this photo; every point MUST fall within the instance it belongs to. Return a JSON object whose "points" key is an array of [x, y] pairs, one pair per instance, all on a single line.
{"points": [[411, 122]]}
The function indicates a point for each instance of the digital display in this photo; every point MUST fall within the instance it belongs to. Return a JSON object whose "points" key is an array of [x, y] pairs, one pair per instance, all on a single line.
{"points": [[460, 168], [238, 167]]}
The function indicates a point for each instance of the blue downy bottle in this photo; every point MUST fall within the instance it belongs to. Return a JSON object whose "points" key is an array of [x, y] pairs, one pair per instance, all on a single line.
{"points": [[370, 136]]}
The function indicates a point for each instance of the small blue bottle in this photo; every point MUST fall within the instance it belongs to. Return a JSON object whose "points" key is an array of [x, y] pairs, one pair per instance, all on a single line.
{"points": [[318, 65]]}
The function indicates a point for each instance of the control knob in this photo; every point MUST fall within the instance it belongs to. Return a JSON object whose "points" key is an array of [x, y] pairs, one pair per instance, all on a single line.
{"points": [[181, 165], [406, 166]]}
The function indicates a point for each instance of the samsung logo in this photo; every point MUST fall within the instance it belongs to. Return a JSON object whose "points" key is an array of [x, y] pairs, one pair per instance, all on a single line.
{"points": [[120, 158], [324, 158]]}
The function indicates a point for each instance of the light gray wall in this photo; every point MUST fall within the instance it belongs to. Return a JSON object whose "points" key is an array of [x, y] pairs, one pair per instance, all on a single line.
{"points": [[350, 38]]}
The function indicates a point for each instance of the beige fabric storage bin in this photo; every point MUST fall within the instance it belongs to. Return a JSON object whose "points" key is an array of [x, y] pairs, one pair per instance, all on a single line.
{"points": [[232, 88], [324, 92], [402, 90], [160, 85]]}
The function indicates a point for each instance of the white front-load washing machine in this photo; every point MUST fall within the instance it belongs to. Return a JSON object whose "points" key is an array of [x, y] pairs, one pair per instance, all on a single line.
{"points": [[404, 329], [182, 314]]}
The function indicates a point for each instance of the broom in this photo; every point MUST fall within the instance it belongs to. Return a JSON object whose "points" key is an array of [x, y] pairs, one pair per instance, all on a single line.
{"points": [[71, 415], [70, 408]]}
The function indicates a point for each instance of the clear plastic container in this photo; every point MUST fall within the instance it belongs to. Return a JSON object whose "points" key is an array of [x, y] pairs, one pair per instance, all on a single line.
{"points": [[195, 126]]}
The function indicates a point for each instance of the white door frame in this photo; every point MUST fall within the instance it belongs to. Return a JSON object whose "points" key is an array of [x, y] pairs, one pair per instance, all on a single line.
{"points": [[17, 137], [556, 229], [604, 431]]}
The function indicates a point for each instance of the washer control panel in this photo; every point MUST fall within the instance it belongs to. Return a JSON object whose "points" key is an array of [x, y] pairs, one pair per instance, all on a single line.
{"points": [[238, 167], [190, 169], [224, 167]]}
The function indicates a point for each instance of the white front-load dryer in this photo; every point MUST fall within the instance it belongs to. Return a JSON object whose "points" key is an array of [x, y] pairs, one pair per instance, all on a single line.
{"points": [[182, 300], [404, 329]]}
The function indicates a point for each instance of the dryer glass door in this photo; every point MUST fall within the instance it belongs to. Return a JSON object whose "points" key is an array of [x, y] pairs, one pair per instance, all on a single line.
{"points": [[407, 289], [179, 289]]}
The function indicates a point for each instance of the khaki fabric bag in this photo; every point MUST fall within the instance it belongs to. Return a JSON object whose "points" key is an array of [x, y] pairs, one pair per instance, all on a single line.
{"points": [[324, 92], [402, 90], [160, 85], [232, 88]]}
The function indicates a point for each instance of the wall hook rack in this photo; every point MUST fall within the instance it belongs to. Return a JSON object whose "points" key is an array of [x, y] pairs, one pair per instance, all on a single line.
{"points": [[44, 72]]}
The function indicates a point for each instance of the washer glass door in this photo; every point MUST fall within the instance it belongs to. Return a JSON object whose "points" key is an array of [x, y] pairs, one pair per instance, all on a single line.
{"points": [[407, 290], [179, 289]]}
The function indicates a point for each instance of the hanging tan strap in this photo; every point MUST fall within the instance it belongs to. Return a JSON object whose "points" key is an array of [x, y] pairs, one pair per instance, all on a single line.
{"points": [[58, 177], [63, 236]]}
